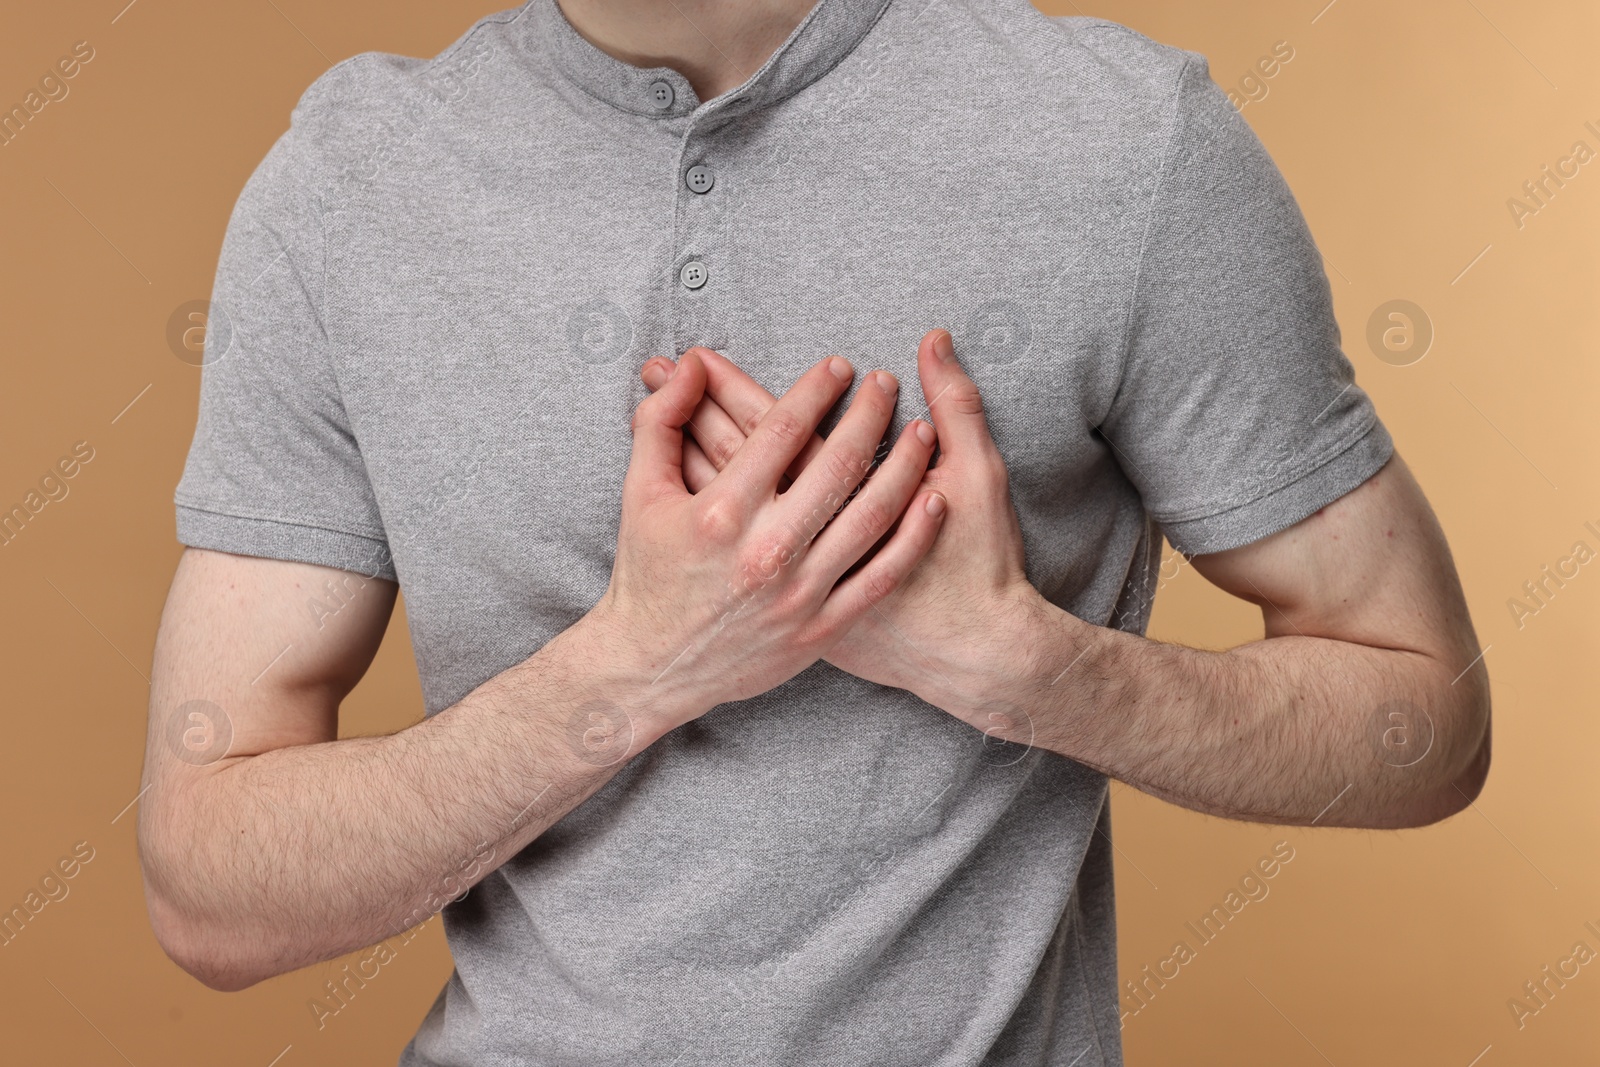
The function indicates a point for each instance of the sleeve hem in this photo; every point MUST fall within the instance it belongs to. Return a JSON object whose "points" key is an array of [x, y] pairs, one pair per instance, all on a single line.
{"points": [[1283, 507], [273, 539]]}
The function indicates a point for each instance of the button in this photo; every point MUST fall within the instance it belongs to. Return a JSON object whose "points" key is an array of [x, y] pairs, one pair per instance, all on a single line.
{"points": [[693, 275], [700, 179], [661, 95]]}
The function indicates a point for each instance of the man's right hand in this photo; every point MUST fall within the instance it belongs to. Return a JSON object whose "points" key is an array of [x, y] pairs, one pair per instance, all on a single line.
{"points": [[723, 594]]}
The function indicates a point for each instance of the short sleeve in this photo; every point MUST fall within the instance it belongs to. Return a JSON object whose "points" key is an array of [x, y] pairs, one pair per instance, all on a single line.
{"points": [[274, 469], [1236, 413]]}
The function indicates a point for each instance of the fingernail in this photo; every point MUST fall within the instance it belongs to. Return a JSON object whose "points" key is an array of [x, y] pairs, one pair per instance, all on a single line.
{"points": [[925, 433], [935, 505], [942, 348], [886, 382], [654, 374], [839, 367]]}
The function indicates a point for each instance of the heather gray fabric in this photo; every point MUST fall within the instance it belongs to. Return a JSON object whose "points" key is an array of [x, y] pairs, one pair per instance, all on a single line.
{"points": [[442, 281]]}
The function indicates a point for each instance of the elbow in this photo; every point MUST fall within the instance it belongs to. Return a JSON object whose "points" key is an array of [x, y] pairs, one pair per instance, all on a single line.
{"points": [[200, 954], [196, 945], [1470, 784], [223, 980], [1454, 797], [1466, 787], [1464, 769], [211, 973]]}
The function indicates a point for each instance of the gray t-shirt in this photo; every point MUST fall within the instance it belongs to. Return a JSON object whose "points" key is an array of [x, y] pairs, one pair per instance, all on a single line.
{"points": [[441, 283]]}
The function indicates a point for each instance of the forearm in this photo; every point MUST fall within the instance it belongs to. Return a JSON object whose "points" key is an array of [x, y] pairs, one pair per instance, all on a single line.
{"points": [[1289, 729], [296, 847], [303, 853]]}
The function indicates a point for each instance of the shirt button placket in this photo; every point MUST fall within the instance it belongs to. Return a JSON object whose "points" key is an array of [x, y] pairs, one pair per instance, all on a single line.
{"points": [[698, 179], [698, 248]]}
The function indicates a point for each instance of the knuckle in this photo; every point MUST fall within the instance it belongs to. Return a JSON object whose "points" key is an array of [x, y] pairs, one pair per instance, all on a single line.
{"points": [[752, 422], [720, 451], [873, 401], [964, 399], [785, 426], [842, 469], [794, 601], [870, 516], [994, 472], [767, 555], [877, 583], [716, 521], [651, 411]]}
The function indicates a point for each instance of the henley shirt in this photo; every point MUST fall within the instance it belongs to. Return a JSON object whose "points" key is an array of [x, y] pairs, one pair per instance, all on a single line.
{"points": [[438, 288]]}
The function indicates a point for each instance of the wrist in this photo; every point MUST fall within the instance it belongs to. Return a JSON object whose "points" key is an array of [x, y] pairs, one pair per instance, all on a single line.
{"points": [[594, 696], [611, 659], [1044, 656], [989, 676]]}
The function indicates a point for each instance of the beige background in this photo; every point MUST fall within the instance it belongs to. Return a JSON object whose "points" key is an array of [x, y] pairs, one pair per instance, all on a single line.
{"points": [[1404, 130]]}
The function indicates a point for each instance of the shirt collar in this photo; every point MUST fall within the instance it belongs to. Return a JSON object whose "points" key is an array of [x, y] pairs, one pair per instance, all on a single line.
{"points": [[828, 33]]}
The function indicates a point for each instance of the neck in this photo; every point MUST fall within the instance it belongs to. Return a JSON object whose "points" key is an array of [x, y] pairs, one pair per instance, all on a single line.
{"points": [[716, 44]]}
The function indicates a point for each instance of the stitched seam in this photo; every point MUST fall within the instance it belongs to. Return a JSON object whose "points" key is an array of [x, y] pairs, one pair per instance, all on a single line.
{"points": [[1260, 496], [1149, 225], [187, 503], [1077, 939]]}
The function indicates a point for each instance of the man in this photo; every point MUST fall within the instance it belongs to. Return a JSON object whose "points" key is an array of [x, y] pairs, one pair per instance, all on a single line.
{"points": [[759, 743]]}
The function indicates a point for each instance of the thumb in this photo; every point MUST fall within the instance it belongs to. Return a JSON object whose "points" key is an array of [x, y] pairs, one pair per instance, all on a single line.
{"points": [[658, 421], [953, 400]]}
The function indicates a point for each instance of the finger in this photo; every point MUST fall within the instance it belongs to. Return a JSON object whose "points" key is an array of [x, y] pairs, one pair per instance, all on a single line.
{"points": [[716, 437], [698, 471], [760, 462], [953, 400], [887, 570], [845, 460], [714, 430], [876, 508], [730, 411], [657, 460], [747, 402]]}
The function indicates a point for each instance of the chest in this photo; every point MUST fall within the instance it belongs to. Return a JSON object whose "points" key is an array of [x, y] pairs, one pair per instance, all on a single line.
{"points": [[488, 324]]}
